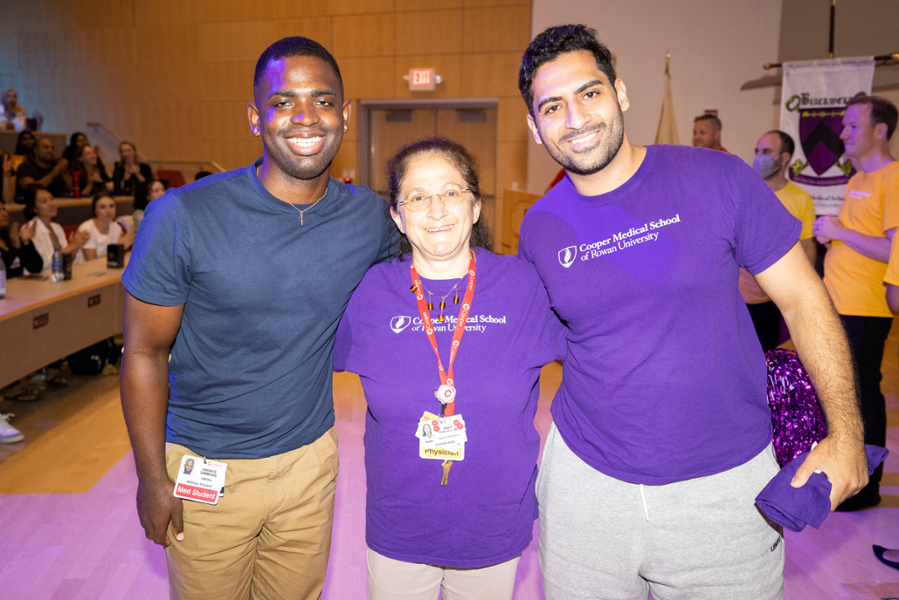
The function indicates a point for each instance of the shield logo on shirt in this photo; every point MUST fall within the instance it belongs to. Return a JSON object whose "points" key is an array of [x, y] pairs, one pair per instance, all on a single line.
{"points": [[567, 256], [400, 323], [819, 131]]}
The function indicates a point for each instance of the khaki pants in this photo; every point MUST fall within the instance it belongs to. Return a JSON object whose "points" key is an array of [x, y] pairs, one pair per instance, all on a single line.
{"points": [[390, 579], [268, 537]]}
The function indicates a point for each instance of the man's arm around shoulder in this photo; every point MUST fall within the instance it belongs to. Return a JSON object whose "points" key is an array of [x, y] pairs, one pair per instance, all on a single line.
{"points": [[819, 339], [149, 332]]}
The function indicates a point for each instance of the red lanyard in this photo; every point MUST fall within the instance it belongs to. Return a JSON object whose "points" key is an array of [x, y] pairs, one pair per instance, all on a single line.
{"points": [[460, 325]]}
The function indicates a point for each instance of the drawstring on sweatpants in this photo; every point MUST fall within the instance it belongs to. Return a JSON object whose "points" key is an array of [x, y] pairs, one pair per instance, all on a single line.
{"points": [[645, 508]]}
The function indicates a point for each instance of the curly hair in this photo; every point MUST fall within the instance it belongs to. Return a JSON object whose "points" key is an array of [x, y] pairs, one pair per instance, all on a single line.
{"points": [[398, 167], [552, 43]]}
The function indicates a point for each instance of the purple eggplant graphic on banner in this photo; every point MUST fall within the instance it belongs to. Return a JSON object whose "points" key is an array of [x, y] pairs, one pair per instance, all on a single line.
{"points": [[819, 133]]}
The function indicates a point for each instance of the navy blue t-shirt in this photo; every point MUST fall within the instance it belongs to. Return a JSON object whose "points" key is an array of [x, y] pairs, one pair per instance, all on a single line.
{"points": [[250, 371]]}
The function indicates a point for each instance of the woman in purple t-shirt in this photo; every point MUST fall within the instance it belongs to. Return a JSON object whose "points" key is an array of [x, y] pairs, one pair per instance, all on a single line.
{"points": [[450, 443]]}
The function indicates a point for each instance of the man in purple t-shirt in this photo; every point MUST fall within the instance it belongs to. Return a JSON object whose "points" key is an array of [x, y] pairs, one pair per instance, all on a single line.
{"points": [[662, 435]]}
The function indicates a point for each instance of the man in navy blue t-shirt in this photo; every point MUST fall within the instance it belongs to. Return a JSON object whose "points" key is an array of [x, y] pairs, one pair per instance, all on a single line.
{"points": [[661, 434], [241, 278]]}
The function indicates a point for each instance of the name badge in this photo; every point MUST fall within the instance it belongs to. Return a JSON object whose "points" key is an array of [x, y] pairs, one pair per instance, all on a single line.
{"points": [[200, 480], [441, 438]]}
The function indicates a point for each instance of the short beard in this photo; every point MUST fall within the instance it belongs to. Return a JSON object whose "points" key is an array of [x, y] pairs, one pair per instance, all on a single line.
{"points": [[607, 151]]}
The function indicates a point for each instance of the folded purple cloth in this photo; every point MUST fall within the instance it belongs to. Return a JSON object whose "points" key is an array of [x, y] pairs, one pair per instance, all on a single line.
{"points": [[794, 508]]}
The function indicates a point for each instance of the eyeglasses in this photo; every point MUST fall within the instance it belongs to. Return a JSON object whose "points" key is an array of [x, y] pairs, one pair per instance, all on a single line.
{"points": [[417, 201]]}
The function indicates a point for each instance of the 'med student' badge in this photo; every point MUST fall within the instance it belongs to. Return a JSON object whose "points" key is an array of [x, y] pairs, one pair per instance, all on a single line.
{"points": [[200, 480]]}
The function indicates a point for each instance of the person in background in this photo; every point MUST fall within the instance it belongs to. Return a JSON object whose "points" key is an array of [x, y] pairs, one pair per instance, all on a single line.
{"points": [[129, 172], [24, 148], [707, 132], [144, 193], [8, 183], [40, 210], [201, 175], [445, 253], [44, 170], [92, 176], [103, 228], [773, 152], [856, 263], [12, 114], [77, 141], [18, 254], [16, 246]]}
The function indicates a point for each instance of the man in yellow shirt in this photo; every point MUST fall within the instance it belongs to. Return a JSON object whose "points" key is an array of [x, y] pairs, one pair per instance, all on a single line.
{"points": [[856, 262], [773, 152]]}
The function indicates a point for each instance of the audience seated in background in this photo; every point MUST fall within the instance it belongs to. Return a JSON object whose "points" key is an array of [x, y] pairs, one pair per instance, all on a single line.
{"points": [[145, 193], [707, 132], [7, 179], [18, 253], [102, 229], [12, 114], [129, 172], [92, 177], [24, 149], [40, 209], [44, 170]]}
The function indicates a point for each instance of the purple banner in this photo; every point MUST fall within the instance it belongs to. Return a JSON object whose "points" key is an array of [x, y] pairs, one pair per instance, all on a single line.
{"points": [[819, 181]]}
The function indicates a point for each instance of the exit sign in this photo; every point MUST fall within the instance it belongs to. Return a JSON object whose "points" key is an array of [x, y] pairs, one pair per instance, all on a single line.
{"points": [[422, 79]]}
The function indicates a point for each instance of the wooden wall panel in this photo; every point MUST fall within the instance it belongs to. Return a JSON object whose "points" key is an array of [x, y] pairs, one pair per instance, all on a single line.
{"points": [[243, 41], [316, 28], [494, 74], [363, 35], [175, 76], [497, 29], [429, 32], [168, 44]]}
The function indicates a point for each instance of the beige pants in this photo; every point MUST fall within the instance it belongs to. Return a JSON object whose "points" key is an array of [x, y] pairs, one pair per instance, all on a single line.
{"points": [[268, 537], [390, 579]]}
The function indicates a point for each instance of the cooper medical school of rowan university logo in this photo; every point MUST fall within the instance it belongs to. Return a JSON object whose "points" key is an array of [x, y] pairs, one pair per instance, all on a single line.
{"points": [[397, 324], [567, 256]]}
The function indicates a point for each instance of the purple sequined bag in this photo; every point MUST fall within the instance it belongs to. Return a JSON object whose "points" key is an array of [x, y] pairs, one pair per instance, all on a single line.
{"points": [[795, 413]]}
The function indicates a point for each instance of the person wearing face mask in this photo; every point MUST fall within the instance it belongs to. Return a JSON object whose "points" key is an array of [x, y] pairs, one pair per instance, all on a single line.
{"points": [[773, 152]]}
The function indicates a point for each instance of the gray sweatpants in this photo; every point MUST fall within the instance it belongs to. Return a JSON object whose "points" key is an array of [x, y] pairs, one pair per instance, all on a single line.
{"points": [[698, 539]]}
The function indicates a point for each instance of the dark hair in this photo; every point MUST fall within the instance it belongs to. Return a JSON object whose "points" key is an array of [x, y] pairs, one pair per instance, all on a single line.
{"points": [[20, 149], [786, 142], [97, 197], [31, 200], [711, 118], [71, 151], [882, 111], [552, 43], [398, 166], [202, 174], [133, 147], [142, 192], [293, 46]]}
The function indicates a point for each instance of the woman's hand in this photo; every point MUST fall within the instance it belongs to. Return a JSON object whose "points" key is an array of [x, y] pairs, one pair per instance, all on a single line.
{"points": [[7, 164], [26, 232]]}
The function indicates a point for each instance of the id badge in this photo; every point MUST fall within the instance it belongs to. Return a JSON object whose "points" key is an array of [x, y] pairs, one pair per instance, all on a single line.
{"points": [[441, 438], [200, 480]]}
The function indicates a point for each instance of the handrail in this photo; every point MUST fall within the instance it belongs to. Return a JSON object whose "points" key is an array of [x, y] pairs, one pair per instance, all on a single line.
{"points": [[142, 156]]}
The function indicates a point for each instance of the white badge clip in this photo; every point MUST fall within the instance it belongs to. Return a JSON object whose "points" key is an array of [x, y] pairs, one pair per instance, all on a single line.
{"points": [[445, 393]]}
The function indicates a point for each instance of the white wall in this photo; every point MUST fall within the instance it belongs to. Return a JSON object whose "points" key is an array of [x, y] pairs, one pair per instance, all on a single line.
{"points": [[715, 46]]}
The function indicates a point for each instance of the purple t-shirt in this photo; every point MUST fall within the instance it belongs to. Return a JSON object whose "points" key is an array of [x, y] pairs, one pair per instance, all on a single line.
{"points": [[485, 515], [665, 379]]}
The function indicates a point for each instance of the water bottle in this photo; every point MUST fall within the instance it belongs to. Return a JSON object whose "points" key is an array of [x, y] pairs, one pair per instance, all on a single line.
{"points": [[59, 272], [2, 278]]}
